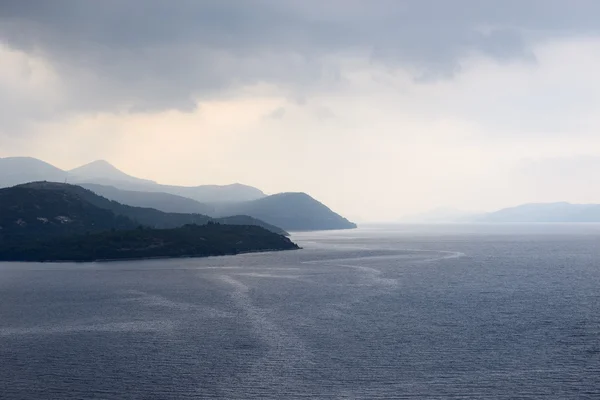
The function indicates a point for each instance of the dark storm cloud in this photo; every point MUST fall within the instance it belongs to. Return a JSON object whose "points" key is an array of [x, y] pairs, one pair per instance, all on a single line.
{"points": [[151, 54]]}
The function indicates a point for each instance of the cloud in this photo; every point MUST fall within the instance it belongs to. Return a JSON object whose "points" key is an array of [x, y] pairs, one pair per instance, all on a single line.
{"points": [[276, 114], [408, 105], [149, 55], [30, 90]]}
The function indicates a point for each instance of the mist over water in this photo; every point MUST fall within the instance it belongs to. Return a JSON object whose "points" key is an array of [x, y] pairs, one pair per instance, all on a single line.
{"points": [[449, 311]]}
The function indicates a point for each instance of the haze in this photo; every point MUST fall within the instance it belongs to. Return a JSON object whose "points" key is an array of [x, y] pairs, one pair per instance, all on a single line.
{"points": [[377, 108]]}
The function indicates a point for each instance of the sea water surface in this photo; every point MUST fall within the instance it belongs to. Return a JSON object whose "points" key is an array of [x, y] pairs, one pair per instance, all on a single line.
{"points": [[428, 312]]}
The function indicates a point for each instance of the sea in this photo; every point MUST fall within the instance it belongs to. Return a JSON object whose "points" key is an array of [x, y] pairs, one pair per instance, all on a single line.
{"points": [[381, 312]]}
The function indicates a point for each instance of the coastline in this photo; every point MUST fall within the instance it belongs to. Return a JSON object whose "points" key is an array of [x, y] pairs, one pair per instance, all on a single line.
{"points": [[130, 259]]}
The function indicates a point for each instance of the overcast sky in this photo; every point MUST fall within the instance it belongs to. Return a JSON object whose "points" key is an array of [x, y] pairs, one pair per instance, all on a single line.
{"points": [[379, 108]]}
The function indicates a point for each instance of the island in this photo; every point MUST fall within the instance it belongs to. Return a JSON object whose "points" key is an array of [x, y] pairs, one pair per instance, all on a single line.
{"points": [[211, 239], [58, 222]]}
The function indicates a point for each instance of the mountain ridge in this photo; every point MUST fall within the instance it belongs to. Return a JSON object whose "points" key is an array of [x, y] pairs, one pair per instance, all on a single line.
{"points": [[161, 201], [60, 222], [102, 169], [539, 212], [543, 212], [295, 210], [18, 170], [142, 216]]}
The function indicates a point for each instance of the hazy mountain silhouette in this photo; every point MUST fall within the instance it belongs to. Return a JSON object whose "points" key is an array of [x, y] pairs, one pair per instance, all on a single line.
{"points": [[103, 172], [290, 211], [525, 213], [211, 193], [543, 212], [297, 211], [161, 201], [17, 170]]}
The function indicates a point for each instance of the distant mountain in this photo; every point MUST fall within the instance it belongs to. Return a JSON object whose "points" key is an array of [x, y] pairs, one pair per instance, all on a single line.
{"points": [[103, 172], [141, 216], [543, 212], [235, 192], [290, 211], [17, 170], [525, 213], [165, 202], [248, 220], [296, 211]]}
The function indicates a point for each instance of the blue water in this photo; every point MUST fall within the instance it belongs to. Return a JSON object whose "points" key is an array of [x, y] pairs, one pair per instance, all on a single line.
{"points": [[432, 312]]}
